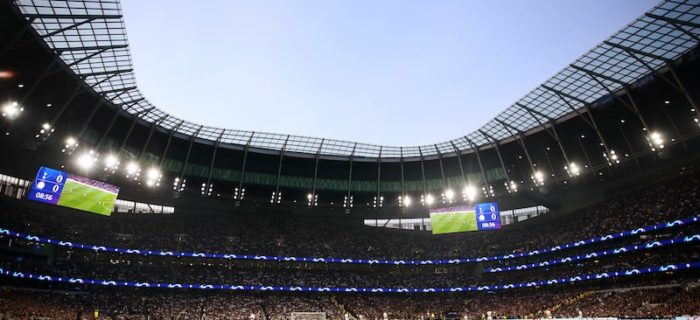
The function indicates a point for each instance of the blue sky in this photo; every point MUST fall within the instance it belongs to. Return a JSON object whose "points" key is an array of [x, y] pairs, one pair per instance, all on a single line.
{"points": [[393, 72]]}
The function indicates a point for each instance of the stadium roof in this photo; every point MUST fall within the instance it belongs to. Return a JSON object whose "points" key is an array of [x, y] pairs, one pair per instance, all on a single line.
{"points": [[90, 38]]}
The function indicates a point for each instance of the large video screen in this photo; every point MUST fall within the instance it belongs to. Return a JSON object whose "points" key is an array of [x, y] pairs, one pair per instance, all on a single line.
{"points": [[482, 216], [68, 190]]}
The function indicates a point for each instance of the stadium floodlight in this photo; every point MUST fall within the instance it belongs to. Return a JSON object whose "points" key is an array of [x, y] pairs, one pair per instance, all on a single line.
{"points": [[70, 145], [573, 169], [312, 200], [405, 201], [429, 199], [133, 170], [348, 202], [153, 176], [45, 131], [11, 110], [86, 160], [611, 158], [655, 140], [111, 162], [512, 186], [153, 173], [70, 141], [488, 191], [449, 195], [276, 197], [538, 177], [469, 193], [238, 194], [177, 185], [378, 202]]}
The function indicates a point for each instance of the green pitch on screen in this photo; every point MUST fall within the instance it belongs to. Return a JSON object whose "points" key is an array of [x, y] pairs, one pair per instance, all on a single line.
{"points": [[450, 222], [82, 197]]}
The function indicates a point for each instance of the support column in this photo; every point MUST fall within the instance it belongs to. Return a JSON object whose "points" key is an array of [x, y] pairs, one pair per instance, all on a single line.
{"points": [[352, 158], [481, 166], [187, 156], [279, 169], [318, 156], [167, 144], [245, 157], [213, 159]]}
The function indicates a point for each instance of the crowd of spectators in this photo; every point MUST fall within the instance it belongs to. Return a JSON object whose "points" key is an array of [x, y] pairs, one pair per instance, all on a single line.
{"points": [[276, 235], [646, 302]]}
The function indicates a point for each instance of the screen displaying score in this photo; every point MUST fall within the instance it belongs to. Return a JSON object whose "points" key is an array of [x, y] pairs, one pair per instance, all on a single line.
{"points": [[482, 216], [64, 189]]}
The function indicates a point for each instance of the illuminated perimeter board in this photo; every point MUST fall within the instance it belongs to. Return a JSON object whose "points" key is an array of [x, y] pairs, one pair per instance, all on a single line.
{"points": [[68, 190], [482, 216]]}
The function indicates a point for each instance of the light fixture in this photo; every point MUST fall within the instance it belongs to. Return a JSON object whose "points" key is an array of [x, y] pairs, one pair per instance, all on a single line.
{"points": [[133, 170], [11, 110], [538, 177], [153, 173], [86, 160], [348, 202], [311, 200], [511, 186], [238, 194], [573, 169], [429, 199], [111, 162], [153, 176], [449, 195], [656, 140], [469, 193], [611, 157], [405, 201]]}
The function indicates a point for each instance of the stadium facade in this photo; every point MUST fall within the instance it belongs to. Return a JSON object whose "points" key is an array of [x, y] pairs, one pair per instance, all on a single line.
{"points": [[626, 105]]}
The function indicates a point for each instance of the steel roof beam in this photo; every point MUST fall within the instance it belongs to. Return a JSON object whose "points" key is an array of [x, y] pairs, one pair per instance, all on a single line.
{"points": [[75, 25], [150, 134], [187, 158], [379, 176], [213, 159], [352, 158], [640, 52], [73, 16], [86, 57], [245, 158], [442, 168], [494, 143], [279, 169], [111, 47], [590, 121], [676, 21], [459, 160], [552, 133], [481, 166], [102, 73], [611, 79], [520, 139], [316, 159], [122, 90], [116, 115], [632, 106], [167, 144]]}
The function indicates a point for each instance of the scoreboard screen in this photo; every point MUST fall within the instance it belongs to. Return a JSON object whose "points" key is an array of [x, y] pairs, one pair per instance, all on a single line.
{"points": [[482, 216], [68, 190]]}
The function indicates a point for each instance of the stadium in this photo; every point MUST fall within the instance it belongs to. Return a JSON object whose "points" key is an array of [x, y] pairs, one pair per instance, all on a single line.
{"points": [[579, 200]]}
